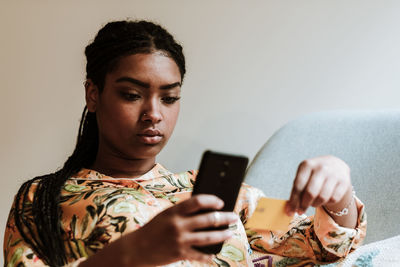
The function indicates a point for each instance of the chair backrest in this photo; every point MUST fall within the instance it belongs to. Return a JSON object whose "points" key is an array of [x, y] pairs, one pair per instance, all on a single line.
{"points": [[369, 141]]}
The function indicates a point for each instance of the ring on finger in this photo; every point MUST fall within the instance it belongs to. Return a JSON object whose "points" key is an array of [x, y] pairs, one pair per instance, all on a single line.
{"points": [[217, 218]]}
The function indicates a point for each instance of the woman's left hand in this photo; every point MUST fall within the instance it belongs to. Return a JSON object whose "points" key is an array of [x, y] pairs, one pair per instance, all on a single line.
{"points": [[322, 181]]}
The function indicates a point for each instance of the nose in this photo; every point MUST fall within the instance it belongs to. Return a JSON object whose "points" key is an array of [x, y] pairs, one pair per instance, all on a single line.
{"points": [[152, 112]]}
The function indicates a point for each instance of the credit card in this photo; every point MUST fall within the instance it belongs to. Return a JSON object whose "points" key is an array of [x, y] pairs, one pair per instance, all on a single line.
{"points": [[270, 215]]}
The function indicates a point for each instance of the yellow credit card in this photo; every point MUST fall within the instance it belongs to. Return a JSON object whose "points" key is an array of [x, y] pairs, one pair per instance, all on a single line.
{"points": [[270, 215]]}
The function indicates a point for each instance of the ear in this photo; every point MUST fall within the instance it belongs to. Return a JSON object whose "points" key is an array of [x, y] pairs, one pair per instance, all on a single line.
{"points": [[92, 95]]}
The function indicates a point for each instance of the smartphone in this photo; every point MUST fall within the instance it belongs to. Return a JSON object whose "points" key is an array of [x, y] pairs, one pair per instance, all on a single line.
{"points": [[221, 175]]}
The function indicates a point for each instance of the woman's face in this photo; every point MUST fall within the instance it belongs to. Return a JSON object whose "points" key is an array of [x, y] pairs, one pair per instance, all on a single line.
{"points": [[138, 107]]}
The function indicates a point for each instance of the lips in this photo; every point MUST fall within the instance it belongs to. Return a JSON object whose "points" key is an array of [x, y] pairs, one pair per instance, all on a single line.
{"points": [[150, 136]]}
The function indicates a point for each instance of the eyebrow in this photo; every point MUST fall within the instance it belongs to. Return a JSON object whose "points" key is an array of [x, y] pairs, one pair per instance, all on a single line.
{"points": [[146, 85]]}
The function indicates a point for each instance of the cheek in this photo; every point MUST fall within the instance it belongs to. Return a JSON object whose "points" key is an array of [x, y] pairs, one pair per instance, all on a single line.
{"points": [[127, 114], [118, 117], [172, 118]]}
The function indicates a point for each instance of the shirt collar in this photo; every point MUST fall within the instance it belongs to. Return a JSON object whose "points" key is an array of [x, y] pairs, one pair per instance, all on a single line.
{"points": [[157, 171]]}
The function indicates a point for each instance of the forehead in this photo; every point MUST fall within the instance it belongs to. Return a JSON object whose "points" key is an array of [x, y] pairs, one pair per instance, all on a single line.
{"points": [[148, 66]]}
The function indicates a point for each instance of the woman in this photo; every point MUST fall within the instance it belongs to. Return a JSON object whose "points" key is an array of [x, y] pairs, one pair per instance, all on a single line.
{"points": [[111, 204]]}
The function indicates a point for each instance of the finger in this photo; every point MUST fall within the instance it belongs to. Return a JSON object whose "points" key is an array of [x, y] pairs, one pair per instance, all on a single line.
{"points": [[312, 190], [204, 238], [211, 219], [197, 203], [326, 193], [300, 181], [338, 193]]}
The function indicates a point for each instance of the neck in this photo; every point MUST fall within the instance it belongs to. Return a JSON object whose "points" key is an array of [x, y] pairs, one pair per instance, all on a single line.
{"points": [[119, 167]]}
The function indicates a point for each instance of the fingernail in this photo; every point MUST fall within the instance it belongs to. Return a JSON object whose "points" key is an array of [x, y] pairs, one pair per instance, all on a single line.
{"points": [[288, 210], [207, 259], [232, 217], [229, 234]]}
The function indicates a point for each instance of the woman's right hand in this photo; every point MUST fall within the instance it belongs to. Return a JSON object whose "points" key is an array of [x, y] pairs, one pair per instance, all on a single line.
{"points": [[171, 235]]}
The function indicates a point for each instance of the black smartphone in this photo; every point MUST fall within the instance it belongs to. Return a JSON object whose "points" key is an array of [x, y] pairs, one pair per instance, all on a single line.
{"points": [[221, 175]]}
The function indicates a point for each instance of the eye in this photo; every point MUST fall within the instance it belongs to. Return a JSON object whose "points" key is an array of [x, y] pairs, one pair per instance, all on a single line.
{"points": [[130, 96], [170, 99]]}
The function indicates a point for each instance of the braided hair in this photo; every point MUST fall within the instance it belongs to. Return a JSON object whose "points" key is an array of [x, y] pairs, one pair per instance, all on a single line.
{"points": [[39, 221]]}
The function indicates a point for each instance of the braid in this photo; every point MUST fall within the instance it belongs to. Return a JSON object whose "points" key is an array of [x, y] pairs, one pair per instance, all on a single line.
{"points": [[39, 221], [44, 208]]}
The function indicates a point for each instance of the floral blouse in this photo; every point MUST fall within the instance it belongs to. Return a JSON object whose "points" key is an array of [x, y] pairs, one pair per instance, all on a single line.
{"points": [[98, 209]]}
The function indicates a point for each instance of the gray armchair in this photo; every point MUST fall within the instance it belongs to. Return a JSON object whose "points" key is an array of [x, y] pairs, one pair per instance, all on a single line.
{"points": [[369, 141]]}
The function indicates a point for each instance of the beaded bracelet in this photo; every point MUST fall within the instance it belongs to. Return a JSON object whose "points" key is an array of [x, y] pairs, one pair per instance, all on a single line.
{"points": [[345, 210]]}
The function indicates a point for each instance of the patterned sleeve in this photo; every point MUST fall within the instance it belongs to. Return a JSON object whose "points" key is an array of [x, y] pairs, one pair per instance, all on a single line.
{"points": [[317, 238], [17, 252]]}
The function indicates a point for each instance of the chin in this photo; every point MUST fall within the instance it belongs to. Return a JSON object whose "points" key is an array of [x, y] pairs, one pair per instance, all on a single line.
{"points": [[147, 151]]}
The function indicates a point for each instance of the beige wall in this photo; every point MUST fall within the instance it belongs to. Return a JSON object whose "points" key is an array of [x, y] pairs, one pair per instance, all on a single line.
{"points": [[252, 66]]}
